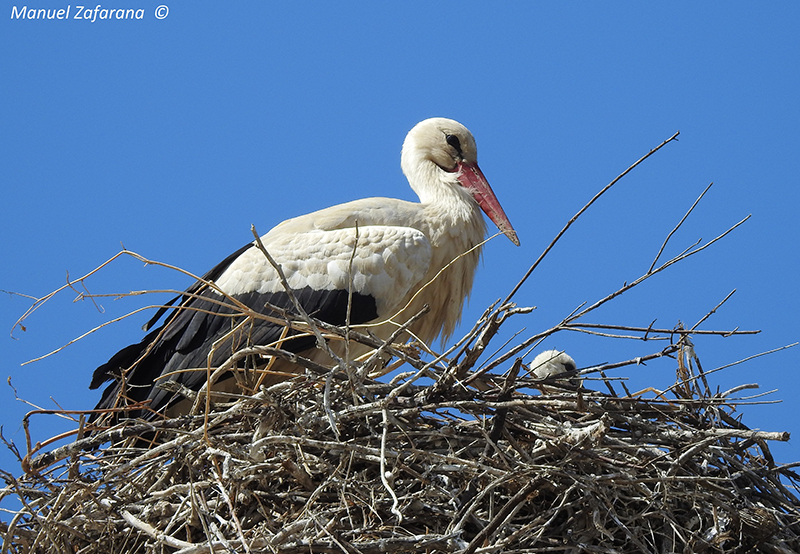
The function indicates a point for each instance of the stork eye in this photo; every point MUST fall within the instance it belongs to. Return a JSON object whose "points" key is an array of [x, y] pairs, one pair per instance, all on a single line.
{"points": [[453, 141]]}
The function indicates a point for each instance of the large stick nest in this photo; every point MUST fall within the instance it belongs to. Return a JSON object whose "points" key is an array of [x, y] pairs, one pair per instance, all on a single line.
{"points": [[506, 464], [438, 456]]}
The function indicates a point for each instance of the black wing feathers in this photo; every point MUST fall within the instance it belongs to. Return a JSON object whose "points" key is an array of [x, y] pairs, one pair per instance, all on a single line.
{"points": [[211, 275], [200, 323]]}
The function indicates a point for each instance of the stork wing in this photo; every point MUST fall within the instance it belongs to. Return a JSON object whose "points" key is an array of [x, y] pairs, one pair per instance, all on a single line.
{"points": [[374, 266]]}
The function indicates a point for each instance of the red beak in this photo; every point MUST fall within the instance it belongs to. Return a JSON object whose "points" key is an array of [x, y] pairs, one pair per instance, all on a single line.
{"points": [[471, 178]]}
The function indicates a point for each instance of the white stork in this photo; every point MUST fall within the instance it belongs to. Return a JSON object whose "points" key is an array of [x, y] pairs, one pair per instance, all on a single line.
{"points": [[551, 363], [401, 246]]}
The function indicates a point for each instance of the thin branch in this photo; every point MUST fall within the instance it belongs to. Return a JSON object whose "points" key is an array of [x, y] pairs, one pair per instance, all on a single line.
{"points": [[580, 212], [321, 342], [669, 236], [713, 311], [648, 330], [649, 274], [726, 366]]}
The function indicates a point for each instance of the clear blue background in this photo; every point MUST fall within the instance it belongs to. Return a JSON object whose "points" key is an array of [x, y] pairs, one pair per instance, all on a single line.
{"points": [[173, 136]]}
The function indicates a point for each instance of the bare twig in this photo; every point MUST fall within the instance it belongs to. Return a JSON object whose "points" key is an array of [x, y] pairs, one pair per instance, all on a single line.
{"points": [[678, 226], [583, 209]]}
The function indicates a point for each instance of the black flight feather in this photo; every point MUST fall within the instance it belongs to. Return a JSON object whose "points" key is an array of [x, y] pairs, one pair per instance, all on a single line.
{"points": [[202, 318]]}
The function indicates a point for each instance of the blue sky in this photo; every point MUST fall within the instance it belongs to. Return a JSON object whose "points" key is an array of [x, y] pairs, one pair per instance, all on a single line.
{"points": [[173, 136]]}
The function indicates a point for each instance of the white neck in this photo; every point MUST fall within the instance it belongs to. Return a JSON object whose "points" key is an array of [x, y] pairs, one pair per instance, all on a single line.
{"points": [[443, 198]]}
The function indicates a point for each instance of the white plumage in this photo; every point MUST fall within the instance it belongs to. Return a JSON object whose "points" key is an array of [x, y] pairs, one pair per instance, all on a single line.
{"points": [[552, 362], [386, 252], [388, 261]]}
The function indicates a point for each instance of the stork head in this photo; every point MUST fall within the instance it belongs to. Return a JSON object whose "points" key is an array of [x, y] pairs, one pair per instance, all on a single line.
{"points": [[440, 152], [552, 362]]}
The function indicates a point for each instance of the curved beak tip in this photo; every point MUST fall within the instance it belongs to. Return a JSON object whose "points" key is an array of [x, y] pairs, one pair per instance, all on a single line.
{"points": [[512, 236], [472, 178]]}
